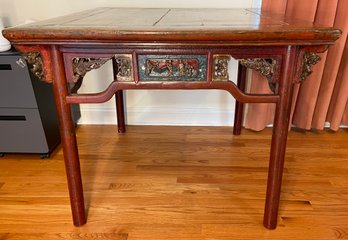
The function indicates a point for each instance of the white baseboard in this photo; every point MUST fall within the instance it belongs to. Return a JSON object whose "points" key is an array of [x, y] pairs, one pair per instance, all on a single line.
{"points": [[160, 116], [164, 116]]}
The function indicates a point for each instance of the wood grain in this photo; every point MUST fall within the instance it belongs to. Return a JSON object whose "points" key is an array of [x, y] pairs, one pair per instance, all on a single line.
{"points": [[173, 25], [179, 183]]}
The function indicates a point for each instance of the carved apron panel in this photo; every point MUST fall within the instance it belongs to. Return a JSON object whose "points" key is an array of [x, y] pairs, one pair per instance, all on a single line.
{"points": [[124, 67], [172, 67], [220, 67]]}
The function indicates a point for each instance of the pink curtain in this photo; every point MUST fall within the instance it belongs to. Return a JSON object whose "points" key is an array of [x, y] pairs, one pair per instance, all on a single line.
{"points": [[323, 97]]}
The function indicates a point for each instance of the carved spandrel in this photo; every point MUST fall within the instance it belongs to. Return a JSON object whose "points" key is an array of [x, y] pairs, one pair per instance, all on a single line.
{"points": [[34, 62], [220, 67], [266, 67], [124, 67], [308, 60], [83, 65]]}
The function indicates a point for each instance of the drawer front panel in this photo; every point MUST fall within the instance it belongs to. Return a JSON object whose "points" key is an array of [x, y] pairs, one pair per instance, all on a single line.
{"points": [[16, 89], [172, 67], [21, 131]]}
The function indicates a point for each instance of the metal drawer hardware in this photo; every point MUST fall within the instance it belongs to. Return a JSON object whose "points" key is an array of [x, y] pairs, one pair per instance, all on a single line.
{"points": [[5, 67], [12, 118]]}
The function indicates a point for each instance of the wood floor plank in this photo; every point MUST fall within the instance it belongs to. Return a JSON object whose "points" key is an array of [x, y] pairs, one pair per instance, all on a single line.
{"points": [[184, 183], [60, 236]]}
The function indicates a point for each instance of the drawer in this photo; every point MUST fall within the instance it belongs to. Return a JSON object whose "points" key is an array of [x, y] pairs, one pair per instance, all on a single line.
{"points": [[21, 131], [16, 90]]}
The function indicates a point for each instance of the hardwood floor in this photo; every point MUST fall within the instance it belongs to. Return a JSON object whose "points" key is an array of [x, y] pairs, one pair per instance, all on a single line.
{"points": [[156, 183]]}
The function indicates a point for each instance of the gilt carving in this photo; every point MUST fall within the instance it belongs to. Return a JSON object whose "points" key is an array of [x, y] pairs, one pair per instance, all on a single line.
{"points": [[35, 64], [220, 71], [308, 60], [266, 67], [124, 67], [172, 67], [83, 65]]}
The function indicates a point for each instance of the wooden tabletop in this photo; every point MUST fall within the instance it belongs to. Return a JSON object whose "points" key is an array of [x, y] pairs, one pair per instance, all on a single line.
{"points": [[150, 24]]}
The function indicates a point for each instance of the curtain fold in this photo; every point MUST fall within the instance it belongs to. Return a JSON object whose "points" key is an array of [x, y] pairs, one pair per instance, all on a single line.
{"points": [[323, 96]]}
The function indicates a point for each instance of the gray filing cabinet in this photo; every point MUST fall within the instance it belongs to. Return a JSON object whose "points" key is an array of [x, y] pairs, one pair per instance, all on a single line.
{"points": [[28, 118]]}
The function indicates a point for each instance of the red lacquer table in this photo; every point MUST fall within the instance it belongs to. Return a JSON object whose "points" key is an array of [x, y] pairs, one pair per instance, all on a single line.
{"points": [[173, 49]]}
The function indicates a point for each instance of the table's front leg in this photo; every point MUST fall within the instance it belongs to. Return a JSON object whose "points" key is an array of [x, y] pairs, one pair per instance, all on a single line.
{"points": [[239, 106], [68, 138], [279, 138]]}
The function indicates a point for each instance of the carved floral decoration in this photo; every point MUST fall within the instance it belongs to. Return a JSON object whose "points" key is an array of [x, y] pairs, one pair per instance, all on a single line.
{"points": [[35, 64], [220, 67], [266, 67], [83, 65], [308, 60], [124, 67]]}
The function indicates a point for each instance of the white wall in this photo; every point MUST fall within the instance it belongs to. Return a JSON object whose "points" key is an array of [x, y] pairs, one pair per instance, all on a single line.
{"points": [[200, 107]]}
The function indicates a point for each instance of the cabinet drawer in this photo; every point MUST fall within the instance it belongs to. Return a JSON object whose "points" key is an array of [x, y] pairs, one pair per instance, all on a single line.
{"points": [[21, 131], [16, 89]]}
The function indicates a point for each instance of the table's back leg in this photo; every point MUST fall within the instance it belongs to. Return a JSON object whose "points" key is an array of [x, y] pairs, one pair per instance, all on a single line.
{"points": [[279, 139], [68, 138], [121, 125], [239, 107]]}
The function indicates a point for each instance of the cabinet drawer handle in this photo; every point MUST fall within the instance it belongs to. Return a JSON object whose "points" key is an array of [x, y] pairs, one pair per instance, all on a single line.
{"points": [[12, 118], [5, 67]]}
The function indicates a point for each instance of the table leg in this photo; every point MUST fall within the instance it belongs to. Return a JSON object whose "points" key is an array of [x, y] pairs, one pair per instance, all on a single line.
{"points": [[279, 138], [121, 125], [239, 107], [68, 139]]}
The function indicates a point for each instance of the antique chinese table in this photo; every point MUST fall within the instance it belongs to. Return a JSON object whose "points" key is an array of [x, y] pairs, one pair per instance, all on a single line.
{"points": [[172, 49]]}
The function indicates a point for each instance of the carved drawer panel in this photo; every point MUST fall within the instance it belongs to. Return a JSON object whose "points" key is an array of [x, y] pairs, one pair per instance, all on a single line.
{"points": [[172, 67]]}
